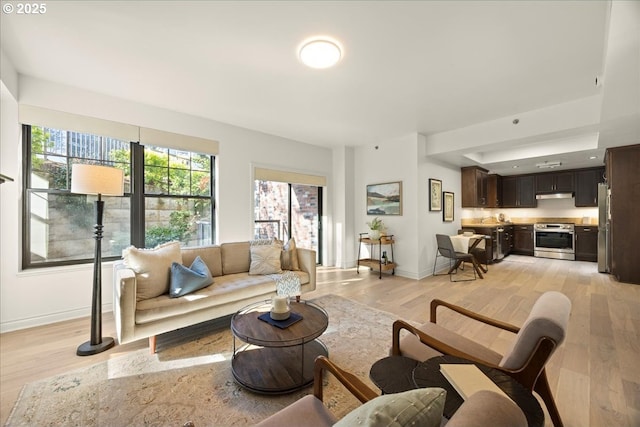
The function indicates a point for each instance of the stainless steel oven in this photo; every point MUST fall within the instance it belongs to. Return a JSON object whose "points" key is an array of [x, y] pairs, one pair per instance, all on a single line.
{"points": [[554, 241]]}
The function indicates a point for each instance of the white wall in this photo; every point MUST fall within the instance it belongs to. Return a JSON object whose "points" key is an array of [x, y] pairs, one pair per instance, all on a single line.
{"points": [[431, 223], [341, 224], [392, 161], [404, 159], [42, 296]]}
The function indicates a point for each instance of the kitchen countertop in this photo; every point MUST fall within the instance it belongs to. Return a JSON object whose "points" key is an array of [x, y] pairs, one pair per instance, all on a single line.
{"points": [[473, 222]]}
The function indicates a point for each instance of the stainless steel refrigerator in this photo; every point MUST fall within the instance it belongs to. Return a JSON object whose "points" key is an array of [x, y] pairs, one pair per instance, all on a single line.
{"points": [[604, 216]]}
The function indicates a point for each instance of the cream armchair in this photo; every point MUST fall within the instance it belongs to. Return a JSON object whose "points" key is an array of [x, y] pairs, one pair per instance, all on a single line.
{"points": [[534, 343]]}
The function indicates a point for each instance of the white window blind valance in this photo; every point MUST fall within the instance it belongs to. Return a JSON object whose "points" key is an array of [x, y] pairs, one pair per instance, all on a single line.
{"points": [[38, 116], [174, 140], [289, 177], [45, 117]]}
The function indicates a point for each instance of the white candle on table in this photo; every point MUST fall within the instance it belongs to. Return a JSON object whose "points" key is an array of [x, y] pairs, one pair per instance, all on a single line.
{"points": [[279, 305]]}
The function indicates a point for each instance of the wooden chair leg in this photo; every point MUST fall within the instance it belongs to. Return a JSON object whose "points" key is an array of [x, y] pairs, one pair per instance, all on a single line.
{"points": [[543, 389], [152, 344], [476, 266]]}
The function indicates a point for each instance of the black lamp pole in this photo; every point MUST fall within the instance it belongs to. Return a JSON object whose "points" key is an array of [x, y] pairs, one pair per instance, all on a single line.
{"points": [[97, 344]]}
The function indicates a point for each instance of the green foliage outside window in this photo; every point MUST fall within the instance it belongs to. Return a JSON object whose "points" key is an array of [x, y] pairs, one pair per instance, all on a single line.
{"points": [[166, 173]]}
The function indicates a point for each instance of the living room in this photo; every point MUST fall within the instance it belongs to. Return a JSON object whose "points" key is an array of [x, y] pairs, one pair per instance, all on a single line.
{"points": [[412, 157]]}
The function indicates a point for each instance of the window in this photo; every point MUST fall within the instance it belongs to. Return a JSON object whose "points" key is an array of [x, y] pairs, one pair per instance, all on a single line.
{"points": [[285, 210], [177, 188], [172, 202], [58, 226]]}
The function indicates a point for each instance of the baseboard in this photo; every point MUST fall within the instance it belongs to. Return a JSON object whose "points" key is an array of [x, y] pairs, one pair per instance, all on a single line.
{"points": [[32, 322]]}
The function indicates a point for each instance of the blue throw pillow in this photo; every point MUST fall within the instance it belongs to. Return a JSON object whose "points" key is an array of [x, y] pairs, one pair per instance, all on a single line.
{"points": [[185, 280]]}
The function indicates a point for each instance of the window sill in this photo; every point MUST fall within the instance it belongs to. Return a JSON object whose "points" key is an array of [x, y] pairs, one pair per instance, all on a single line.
{"points": [[44, 271]]}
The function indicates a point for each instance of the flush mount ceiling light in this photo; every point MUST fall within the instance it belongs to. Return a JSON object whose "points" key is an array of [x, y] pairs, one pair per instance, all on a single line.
{"points": [[320, 52]]}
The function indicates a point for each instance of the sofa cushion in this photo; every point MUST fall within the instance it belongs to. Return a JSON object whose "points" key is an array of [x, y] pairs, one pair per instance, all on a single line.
{"points": [[420, 407], [265, 259], [211, 255], [236, 257], [185, 280], [152, 268], [225, 289]]}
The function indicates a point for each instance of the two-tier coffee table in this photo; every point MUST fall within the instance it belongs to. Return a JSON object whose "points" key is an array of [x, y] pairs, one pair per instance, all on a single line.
{"points": [[273, 360]]}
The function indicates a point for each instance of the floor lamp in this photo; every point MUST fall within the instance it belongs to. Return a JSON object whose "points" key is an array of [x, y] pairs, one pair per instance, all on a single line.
{"points": [[100, 181]]}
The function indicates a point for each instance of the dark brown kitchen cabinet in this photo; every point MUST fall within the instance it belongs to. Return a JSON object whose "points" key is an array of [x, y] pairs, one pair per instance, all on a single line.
{"points": [[518, 191], [494, 191], [587, 181], [523, 239], [507, 240], [474, 187], [554, 182], [624, 182], [586, 243]]}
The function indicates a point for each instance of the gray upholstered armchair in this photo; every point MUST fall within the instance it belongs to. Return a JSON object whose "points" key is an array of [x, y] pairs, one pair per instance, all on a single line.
{"points": [[540, 335]]}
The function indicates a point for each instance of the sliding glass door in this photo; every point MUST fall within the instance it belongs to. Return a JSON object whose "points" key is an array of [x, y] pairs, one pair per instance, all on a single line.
{"points": [[286, 210]]}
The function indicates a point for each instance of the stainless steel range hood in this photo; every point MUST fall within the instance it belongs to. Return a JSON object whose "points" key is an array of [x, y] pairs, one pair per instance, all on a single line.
{"points": [[567, 195]]}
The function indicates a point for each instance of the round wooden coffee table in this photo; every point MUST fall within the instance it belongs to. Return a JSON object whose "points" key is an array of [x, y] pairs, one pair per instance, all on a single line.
{"points": [[274, 360]]}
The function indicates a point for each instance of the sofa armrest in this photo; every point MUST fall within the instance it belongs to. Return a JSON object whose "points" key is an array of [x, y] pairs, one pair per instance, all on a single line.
{"points": [[307, 261], [124, 301], [486, 408]]}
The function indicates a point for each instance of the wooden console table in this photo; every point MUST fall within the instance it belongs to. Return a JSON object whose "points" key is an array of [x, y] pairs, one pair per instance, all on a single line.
{"points": [[378, 263]]}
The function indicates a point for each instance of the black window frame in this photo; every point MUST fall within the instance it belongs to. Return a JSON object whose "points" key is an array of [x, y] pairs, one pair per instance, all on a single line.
{"points": [[136, 196]]}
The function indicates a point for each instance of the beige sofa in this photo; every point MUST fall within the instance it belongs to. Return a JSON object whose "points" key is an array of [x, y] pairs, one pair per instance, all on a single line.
{"points": [[232, 288]]}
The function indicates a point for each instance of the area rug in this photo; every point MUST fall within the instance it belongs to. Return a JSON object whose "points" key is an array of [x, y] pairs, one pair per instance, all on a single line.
{"points": [[190, 379]]}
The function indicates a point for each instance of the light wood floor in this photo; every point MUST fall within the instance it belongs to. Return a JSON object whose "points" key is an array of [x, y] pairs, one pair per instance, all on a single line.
{"points": [[595, 375]]}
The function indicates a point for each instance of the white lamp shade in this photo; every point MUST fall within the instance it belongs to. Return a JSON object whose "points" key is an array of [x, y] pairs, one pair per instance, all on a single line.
{"points": [[94, 179]]}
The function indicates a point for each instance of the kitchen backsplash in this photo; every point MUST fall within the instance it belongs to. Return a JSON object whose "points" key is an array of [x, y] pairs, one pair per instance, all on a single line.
{"points": [[560, 210]]}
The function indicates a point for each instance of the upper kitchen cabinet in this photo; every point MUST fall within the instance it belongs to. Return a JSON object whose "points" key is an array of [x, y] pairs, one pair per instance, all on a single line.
{"points": [[587, 181], [624, 182], [518, 191], [554, 182], [474, 187], [494, 191]]}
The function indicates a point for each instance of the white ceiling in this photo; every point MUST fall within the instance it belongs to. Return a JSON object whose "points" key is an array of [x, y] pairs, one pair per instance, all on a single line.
{"points": [[409, 67]]}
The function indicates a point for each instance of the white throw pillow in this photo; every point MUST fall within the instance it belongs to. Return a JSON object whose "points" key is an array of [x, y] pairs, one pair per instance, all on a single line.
{"points": [[265, 260], [152, 268]]}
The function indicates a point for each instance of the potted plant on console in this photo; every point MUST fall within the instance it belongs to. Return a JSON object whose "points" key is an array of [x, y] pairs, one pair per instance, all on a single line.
{"points": [[376, 227]]}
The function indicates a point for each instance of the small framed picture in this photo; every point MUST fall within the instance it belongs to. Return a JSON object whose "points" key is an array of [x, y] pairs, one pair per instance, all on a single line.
{"points": [[447, 213], [435, 195]]}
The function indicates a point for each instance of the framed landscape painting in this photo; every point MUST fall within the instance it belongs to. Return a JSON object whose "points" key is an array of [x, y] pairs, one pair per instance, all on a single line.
{"points": [[435, 195], [447, 214], [384, 199]]}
